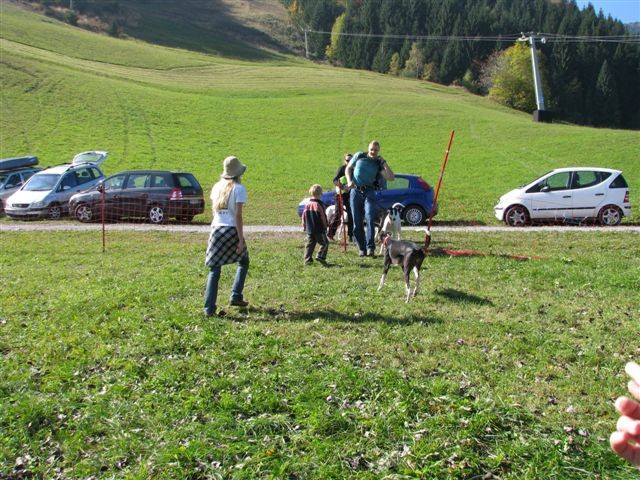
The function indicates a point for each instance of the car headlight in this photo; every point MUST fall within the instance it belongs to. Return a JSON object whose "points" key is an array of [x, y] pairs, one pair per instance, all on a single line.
{"points": [[37, 205]]}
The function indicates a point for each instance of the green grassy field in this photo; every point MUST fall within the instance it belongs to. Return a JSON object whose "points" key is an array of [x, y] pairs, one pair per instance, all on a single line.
{"points": [[499, 367], [65, 90]]}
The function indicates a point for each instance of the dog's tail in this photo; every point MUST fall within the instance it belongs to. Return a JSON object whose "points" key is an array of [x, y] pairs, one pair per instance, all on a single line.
{"points": [[427, 241]]}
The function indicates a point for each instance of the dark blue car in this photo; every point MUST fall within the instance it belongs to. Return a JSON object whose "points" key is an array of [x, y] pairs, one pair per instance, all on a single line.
{"points": [[410, 190]]}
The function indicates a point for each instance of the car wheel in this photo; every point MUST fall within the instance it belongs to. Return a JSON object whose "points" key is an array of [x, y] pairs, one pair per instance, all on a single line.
{"points": [[610, 216], [55, 212], [84, 213], [516, 216], [156, 214], [414, 215]]}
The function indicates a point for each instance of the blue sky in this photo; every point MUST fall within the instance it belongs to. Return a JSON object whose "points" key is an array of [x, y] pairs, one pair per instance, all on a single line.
{"points": [[625, 10]]}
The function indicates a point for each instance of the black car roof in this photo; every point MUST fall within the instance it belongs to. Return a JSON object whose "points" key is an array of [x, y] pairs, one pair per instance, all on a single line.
{"points": [[20, 169]]}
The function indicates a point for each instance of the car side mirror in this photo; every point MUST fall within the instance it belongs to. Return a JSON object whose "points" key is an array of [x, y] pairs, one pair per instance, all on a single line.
{"points": [[545, 188], [100, 188]]}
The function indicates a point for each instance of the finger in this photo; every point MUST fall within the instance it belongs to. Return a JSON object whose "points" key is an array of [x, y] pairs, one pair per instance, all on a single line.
{"points": [[619, 442], [633, 370], [628, 407], [628, 425], [634, 389]]}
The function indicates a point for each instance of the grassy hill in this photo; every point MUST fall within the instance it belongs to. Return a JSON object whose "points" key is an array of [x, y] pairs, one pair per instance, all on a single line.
{"points": [[66, 90], [250, 30]]}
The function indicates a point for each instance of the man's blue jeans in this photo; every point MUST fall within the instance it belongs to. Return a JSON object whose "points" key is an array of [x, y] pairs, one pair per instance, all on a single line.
{"points": [[211, 293], [363, 208]]}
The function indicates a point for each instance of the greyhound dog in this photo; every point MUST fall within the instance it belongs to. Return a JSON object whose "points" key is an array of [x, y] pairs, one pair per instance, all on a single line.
{"points": [[407, 254], [331, 213], [391, 224]]}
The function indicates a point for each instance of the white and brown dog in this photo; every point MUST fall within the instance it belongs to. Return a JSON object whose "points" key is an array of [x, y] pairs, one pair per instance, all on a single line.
{"points": [[408, 255], [392, 224], [331, 213]]}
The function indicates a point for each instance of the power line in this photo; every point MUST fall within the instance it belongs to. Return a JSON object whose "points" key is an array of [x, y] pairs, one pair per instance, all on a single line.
{"points": [[550, 37]]}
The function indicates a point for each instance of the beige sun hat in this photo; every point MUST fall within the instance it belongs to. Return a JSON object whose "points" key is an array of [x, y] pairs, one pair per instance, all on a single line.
{"points": [[232, 167]]}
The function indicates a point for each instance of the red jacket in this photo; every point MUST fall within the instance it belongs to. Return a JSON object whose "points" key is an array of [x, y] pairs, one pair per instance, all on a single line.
{"points": [[314, 219]]}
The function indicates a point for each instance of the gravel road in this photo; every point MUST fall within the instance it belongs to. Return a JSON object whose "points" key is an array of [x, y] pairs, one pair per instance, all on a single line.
{"points": [[200, 228]]}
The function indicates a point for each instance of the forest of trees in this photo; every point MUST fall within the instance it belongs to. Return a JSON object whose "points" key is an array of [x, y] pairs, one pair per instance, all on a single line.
{"points": [[586, 81]]}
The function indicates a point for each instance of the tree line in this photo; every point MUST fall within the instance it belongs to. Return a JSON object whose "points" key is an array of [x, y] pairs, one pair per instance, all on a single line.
{"points": [[471, 42]]}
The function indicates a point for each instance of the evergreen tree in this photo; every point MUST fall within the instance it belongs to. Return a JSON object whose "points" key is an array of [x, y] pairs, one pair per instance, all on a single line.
{"points": [[382, 59], [626, 68], [607, 110], [455, 61]]}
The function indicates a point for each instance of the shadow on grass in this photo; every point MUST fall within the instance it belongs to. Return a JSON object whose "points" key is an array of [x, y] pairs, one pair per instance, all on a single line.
{"points": [[458, 223], [330, 315], [208, 27], [462, 297], [445, 252]]}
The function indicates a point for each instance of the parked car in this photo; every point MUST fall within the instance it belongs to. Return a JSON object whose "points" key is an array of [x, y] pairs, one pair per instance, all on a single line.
{"points": [[46, 194], [14, 172], [410, 190], [568, 194], [152, 194]]}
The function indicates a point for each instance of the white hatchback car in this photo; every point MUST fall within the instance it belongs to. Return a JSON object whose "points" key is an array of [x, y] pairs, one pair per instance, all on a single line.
{"points": [[572, 194]]}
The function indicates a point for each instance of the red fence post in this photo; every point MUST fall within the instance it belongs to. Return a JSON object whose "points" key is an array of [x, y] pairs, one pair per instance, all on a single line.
{"points": [[102, 215]]}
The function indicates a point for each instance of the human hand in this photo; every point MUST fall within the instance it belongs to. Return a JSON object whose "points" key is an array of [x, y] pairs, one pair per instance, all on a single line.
{"points": [[625, 441], [240, 246]]}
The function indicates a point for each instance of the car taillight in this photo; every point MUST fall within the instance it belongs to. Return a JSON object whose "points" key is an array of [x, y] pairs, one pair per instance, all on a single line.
{"points": [[424, 184], [176, 194], [626, 197]]}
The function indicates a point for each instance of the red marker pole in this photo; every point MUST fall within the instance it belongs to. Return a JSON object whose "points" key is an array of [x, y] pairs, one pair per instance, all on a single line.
{"points": [[427, 237], [444, 165], [102, 215]]}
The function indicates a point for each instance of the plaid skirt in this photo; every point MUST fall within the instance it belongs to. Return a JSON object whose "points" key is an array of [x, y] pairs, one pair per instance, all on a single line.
{"points": [[221, 249]]}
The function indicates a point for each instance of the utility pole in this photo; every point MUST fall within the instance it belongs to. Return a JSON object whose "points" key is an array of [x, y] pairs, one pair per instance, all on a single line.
{"points": [[540, 115], [306, 44]]}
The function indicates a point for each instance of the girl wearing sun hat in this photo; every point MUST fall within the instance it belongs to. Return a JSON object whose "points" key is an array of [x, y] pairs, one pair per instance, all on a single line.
{"points": [[226, 241]]}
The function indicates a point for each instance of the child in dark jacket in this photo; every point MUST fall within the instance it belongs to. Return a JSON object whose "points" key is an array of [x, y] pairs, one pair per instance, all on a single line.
{"points": [[314, 222]]}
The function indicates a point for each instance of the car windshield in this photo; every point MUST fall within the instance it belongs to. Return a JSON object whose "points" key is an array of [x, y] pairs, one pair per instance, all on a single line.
{"points": [[538, 178], [42, 182]]}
